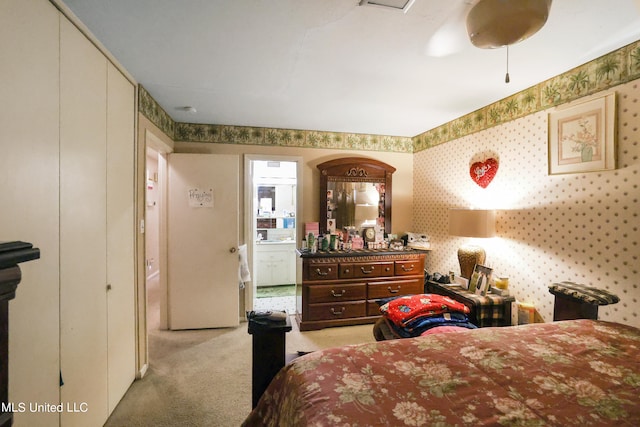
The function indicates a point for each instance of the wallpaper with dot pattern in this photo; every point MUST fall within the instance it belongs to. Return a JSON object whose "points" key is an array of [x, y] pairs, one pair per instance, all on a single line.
{"points": [[581, 227]]}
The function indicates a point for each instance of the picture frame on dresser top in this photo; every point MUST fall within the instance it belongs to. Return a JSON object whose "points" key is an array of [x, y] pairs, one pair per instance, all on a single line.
{"points": [[480, 282], [582, 136]]}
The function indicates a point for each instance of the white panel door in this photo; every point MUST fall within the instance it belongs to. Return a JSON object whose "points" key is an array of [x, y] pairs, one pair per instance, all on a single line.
{"points": [[202, 241], [120, 235], [83, 308]]}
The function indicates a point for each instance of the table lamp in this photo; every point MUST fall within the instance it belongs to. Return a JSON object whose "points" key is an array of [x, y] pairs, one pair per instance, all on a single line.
{"points": [[471, 223]]}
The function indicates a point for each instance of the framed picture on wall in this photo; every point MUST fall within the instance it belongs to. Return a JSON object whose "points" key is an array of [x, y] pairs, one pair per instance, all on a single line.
{"points": [[480, 282], [582, 137]]}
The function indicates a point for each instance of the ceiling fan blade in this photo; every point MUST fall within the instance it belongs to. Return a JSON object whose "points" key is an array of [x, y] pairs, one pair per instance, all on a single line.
{"points": [[451, 37]]}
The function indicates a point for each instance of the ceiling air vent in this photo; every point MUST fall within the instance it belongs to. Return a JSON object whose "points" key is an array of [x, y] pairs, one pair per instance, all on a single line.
{"points": [[402, 5]]}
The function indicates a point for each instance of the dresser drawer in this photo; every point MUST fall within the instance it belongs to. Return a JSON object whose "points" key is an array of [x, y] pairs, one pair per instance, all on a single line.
{"points": [[409, 267], [373, 269], [331, 311], [373, 308], [323, 272], [386, 269], [394, 288], [336, 292], [346, 271]]}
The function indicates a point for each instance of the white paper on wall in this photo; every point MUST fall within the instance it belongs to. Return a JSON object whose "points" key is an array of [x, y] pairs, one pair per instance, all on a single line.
{"points": [[200, 198]]}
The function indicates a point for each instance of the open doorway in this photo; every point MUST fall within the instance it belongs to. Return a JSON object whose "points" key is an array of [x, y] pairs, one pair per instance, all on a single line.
{"points": [[151, 290], [152, 296], [155, 279], [152, 245], [151, 251], [272, 190]]}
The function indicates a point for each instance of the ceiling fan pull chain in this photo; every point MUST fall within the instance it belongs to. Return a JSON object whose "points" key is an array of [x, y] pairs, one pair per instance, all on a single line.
{"points": [[506, 77]]}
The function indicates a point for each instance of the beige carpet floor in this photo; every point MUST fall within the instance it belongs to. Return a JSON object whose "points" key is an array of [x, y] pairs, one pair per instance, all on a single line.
{"points": [[203, 377]]}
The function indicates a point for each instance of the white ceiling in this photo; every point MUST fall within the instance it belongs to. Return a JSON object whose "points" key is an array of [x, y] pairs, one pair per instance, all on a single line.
{"points": [[331, 65]]}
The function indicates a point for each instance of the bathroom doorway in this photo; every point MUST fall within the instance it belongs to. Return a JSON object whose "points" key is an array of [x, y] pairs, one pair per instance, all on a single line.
{"points": [[272, 194]]}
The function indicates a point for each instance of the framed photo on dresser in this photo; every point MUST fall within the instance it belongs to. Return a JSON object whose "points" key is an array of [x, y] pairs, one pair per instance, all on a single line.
{"points": [[480, 282]]}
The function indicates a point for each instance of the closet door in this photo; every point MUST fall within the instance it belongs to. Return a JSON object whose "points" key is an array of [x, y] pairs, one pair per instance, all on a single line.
{"points": [[120, 235], [83, 222], [29, 165]]}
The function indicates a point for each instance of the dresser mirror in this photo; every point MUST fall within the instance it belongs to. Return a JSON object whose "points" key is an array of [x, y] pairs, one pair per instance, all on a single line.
{"points": [[355, 194]]}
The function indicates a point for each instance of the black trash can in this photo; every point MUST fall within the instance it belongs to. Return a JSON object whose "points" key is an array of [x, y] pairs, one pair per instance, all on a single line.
{"points": [[268, 329]]}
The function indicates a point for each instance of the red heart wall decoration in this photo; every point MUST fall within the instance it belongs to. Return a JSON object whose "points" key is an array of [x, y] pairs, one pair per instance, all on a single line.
{"points": [[482, 173]]}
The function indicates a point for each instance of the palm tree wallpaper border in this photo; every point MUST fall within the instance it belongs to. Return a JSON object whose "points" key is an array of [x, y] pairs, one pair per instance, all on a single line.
{"points": [[612, 69]]}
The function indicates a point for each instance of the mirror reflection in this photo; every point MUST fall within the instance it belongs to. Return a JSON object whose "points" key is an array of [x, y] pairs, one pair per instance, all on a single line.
{"points": [[355, 204], [266, 200]]}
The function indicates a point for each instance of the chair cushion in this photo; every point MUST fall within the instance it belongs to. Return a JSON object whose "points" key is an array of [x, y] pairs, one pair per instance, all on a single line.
{"points": [[587, 294]]}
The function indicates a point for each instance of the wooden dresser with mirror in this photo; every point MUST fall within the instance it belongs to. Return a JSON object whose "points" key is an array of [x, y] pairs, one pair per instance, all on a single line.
{"points": [[344, 287]]}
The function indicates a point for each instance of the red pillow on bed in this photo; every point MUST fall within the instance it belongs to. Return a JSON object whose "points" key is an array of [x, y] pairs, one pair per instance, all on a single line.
{"points": [[404, 309]]}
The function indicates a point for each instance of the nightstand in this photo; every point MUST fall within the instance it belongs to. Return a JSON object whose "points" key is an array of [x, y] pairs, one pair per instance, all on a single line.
{"points": [[489, 310]]}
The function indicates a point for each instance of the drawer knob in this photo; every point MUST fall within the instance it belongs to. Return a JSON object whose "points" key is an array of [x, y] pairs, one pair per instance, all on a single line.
{"points": [[336, 312], [394, 291], [323, 273], [407, 269], [367, 271], [338, 295], [346, 270]]}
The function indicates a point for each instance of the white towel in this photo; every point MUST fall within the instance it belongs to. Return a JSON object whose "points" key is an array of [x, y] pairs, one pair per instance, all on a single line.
{"points": [[244, 275]]}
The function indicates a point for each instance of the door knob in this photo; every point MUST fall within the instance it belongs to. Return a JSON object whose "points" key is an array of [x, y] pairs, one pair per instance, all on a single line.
{"points": [[233, 250]]}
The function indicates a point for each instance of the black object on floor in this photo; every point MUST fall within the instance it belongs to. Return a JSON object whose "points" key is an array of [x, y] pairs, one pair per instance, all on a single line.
{"points": [[268, 351]]}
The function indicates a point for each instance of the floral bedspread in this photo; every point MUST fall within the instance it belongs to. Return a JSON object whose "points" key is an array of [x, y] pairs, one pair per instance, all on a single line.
{"points": [[576, 372]]}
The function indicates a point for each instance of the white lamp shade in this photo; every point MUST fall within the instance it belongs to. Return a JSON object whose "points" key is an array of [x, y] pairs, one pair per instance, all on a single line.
{"points": [[472, 222]]}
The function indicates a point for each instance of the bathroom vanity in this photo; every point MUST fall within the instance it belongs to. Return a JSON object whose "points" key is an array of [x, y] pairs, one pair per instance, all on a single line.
{"points": [[275, 263]]}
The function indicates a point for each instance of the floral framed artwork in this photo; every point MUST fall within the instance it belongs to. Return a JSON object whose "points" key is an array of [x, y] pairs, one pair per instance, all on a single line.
{"points": [[582, 137]]}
